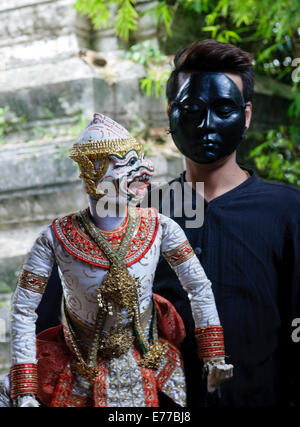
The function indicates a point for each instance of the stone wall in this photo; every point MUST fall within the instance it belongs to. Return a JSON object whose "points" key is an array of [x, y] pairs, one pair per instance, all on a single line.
{"points": [[34, 31], [48, 74]]}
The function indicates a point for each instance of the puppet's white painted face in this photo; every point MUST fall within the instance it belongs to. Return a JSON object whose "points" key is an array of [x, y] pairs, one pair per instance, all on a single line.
{"points": [[130, 176]]}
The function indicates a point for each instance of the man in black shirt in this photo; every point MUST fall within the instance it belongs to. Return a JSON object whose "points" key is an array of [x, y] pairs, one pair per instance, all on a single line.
{"points": [[249, 243]]}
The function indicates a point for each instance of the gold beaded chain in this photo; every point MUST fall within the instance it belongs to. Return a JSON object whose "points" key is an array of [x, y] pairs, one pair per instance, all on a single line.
{"points": [[87, 369]]}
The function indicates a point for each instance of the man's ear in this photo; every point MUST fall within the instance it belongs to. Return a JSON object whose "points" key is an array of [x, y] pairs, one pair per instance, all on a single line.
{"points": [[169, 107], [248, 112]]}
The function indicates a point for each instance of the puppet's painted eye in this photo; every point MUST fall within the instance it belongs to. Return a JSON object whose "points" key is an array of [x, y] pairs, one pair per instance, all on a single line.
{"points": [[132, 161]]}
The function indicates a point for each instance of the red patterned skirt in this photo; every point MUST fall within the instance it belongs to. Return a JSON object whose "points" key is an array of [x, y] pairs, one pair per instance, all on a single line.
{"points": [[55, 377]]}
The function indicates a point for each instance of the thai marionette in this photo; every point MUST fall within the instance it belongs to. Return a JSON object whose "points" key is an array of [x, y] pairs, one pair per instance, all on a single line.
{"points": [[118, 344]]}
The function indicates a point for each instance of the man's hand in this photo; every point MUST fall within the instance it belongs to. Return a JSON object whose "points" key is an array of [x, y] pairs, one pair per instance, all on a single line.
{"points": [[26, 401], [217, 372]]}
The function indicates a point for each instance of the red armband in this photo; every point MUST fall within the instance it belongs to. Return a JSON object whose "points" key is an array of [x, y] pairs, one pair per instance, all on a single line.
{"points": [[210, 341], [23, 379]]}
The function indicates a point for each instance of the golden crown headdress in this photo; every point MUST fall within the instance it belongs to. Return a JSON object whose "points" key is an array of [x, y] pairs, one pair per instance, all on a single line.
{"points": [[101, 138]]}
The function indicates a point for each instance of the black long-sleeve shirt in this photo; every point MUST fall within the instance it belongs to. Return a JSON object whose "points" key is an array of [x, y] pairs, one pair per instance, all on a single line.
{"points": [[249, 247]]}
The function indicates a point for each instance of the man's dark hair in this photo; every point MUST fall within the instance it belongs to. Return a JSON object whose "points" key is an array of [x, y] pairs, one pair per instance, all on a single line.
{"points": [[211, 55]]}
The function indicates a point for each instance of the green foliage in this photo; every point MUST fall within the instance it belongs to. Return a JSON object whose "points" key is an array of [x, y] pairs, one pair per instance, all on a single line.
{"points": [[271, 28], [275, 25], [4, 288], [277, 157], [294, 109], [156, 80], [277, 153], [8, 123], [4, 127], [156, 65], [163, 13], [198, 6], [144, 53], [126, 19], [80, 123], [100, 12], [97, 10], [268, 26], [39, 132]]}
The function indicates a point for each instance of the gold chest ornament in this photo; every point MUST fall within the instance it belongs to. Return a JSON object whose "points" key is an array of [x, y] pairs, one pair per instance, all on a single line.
{"points": [[119, 289]]}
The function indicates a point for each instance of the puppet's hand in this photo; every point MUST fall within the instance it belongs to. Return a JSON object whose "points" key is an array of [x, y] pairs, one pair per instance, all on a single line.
{"points": [[26, 401], [217, 372]]}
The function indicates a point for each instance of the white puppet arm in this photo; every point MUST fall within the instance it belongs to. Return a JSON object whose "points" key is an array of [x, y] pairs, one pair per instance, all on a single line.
{"points": [[31, 286], [208, 331]]}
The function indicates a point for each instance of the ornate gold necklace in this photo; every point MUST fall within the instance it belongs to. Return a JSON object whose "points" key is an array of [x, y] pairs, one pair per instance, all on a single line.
{"points": [[118, 288]]}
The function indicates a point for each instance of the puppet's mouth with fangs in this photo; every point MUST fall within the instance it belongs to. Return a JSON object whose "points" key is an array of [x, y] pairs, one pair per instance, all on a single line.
{"points": [[136, 186]]}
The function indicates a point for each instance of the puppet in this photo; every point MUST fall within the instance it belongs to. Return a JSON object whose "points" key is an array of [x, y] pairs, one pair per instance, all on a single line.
{"points": [[118, 343]]}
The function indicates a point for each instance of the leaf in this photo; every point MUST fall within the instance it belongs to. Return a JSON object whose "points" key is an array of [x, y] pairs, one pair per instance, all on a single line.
{"points": [[266, 53], [228, 35], [146, 85], [97, 10], [211, 28], [211, 17], [126, 19], [163, 14]]}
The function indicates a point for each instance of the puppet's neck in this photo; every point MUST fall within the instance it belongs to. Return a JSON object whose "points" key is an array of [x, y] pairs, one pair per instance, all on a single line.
{"points": [[112, 217]]}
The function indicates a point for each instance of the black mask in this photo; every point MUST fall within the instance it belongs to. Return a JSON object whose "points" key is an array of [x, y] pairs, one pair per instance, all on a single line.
{"points": [[207, 117]]}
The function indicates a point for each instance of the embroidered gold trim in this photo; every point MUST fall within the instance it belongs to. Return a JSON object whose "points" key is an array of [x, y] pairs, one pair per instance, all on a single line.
{"points": [[68, 230], [210, 341], [179, 254], [32, 282], [23, 379]]}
